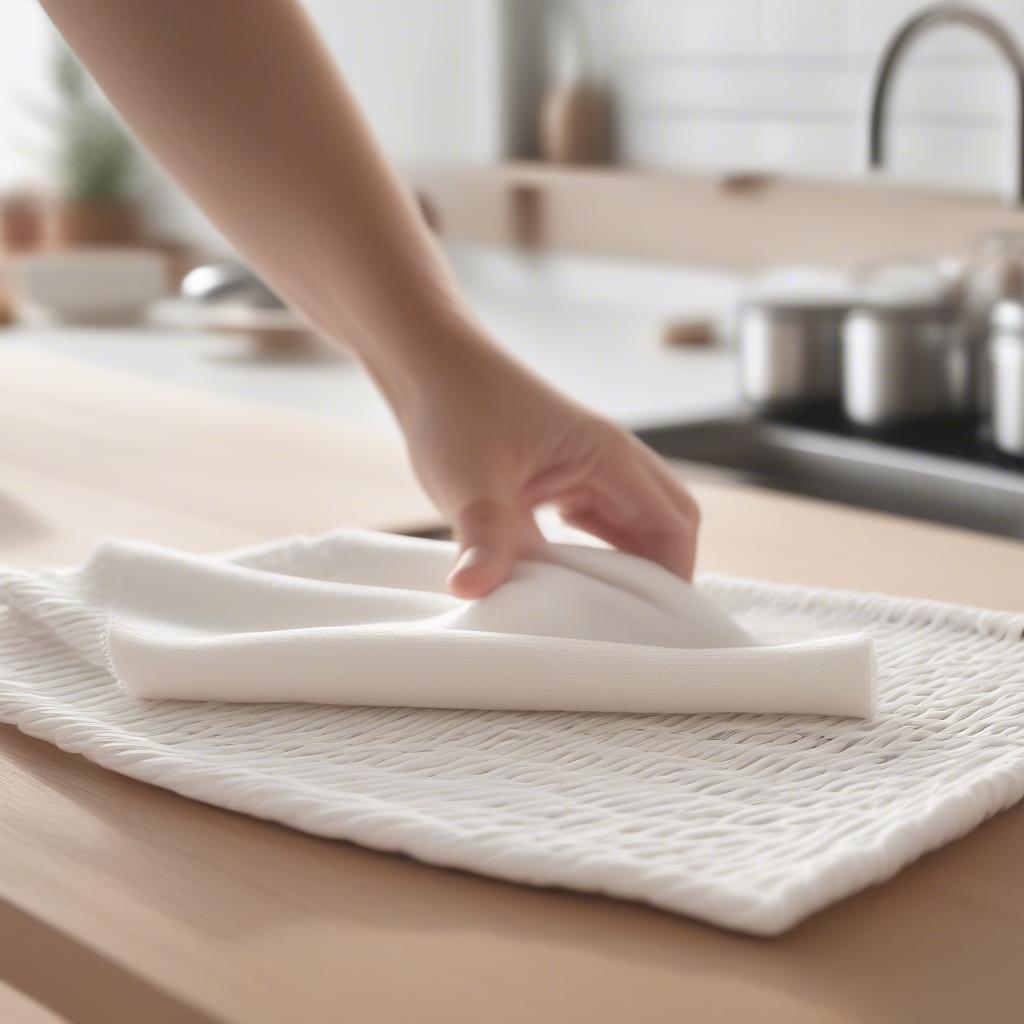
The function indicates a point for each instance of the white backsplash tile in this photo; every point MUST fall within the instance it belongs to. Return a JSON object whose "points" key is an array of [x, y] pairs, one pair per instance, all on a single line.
{"points": [[803, 26], [984, 93], [872, 22], [667, 27], [760, 88], [813, 149], [702, 143], [963, 156], [783, 85]]}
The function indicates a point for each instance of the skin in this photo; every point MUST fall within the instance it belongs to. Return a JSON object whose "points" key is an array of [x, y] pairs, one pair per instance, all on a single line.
{"points": [[242, 103]]}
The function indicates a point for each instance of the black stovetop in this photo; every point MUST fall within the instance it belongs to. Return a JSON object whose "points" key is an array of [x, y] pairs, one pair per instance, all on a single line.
{"points": [[967, 440]]}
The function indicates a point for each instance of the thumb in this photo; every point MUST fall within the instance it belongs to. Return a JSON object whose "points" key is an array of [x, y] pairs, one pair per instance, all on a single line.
{"points": [[488, 532]]}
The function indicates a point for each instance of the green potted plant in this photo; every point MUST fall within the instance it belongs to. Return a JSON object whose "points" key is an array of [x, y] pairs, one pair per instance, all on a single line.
{"points": [[96, 163]]}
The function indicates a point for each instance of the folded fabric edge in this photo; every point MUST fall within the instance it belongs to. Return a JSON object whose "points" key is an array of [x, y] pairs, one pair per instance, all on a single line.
{"points": [[493, 671]]}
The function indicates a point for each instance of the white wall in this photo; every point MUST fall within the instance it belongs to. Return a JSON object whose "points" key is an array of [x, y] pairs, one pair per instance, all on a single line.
{"points": [[780, 85], [24, 55], [425, 73]]}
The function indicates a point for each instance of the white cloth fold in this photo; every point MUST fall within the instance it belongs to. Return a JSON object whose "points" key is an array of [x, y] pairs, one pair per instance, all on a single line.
{"points": [[366, 620]]}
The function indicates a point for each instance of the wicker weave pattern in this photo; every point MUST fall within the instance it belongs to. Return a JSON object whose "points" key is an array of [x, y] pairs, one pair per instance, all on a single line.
{"points": [[751, 822]]}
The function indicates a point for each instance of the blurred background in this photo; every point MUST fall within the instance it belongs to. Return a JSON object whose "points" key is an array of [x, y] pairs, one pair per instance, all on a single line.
{"points": [[782, 239]]}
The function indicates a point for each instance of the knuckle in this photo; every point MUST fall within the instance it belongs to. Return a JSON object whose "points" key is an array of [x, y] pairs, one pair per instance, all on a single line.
{"points": [[481, 513]]}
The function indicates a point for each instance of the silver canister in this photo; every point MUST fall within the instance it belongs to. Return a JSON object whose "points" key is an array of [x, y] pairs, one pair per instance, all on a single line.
{"points": [[1006, 365], [789, 352], [903, 361]]}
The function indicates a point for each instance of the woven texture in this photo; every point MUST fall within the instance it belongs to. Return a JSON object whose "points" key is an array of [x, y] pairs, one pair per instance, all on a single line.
{"points": [[751, 822]]}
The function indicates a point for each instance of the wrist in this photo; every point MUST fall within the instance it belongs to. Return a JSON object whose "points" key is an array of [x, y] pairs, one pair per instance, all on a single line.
{"points": [[426, 365]]}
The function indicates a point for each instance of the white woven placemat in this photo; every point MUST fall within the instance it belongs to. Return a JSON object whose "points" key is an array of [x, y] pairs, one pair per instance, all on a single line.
{"points": [[751, 822]]}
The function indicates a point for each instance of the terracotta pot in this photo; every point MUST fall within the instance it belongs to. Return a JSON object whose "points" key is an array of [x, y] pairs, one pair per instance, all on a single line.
{"points": [[95, 224], [21, 222]]}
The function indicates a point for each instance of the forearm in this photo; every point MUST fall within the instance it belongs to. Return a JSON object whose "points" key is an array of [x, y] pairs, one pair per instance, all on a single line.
{"points": [[241, 102]]}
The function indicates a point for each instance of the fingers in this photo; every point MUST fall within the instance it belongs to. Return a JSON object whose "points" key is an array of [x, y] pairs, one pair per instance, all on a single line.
{"points": [[680, 497], [636, 505], [627, 497], [684, 504], [492, 534]]}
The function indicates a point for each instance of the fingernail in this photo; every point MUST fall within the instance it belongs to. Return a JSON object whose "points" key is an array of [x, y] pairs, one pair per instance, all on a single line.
{"points": [[469, 559]]}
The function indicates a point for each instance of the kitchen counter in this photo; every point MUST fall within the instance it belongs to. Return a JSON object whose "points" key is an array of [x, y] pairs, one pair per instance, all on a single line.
{"points": [[610, 359], [121, 901]]}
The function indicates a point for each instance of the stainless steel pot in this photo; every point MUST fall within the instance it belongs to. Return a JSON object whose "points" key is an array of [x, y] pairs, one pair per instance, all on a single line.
{"points": [[789, 351], [994, 274], [904, 361], [1006, 364]]}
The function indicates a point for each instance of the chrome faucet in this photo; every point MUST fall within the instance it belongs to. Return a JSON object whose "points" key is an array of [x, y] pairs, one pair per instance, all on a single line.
{"points": [[942, 14]]}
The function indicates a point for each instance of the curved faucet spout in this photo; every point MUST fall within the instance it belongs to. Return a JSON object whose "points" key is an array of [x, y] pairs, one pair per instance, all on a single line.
{"points": [[942, 14]]}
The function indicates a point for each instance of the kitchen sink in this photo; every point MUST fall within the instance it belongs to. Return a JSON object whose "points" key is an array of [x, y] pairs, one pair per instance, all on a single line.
{"points": [[940, 472]]}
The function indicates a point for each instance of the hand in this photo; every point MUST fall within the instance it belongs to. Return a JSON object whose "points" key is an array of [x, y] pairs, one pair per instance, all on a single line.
{"points": [[490, 442]]}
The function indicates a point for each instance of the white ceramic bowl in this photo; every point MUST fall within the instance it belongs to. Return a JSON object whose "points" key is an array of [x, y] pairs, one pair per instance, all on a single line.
{"points": [[88, 285]]}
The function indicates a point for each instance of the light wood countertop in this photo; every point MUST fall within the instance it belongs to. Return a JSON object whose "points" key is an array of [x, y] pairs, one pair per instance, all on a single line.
{"points": [[121, 902]]}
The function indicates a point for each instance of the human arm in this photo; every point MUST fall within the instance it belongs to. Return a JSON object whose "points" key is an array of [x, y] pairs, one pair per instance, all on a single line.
{"points": [[242, 103]]}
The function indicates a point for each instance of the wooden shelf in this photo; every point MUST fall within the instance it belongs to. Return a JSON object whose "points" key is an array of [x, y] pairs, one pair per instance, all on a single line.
{"points": [[740, 221]]}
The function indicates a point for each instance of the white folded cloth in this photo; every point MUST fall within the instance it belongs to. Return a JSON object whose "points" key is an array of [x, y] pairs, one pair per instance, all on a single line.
{"points": [[363, 618]]}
